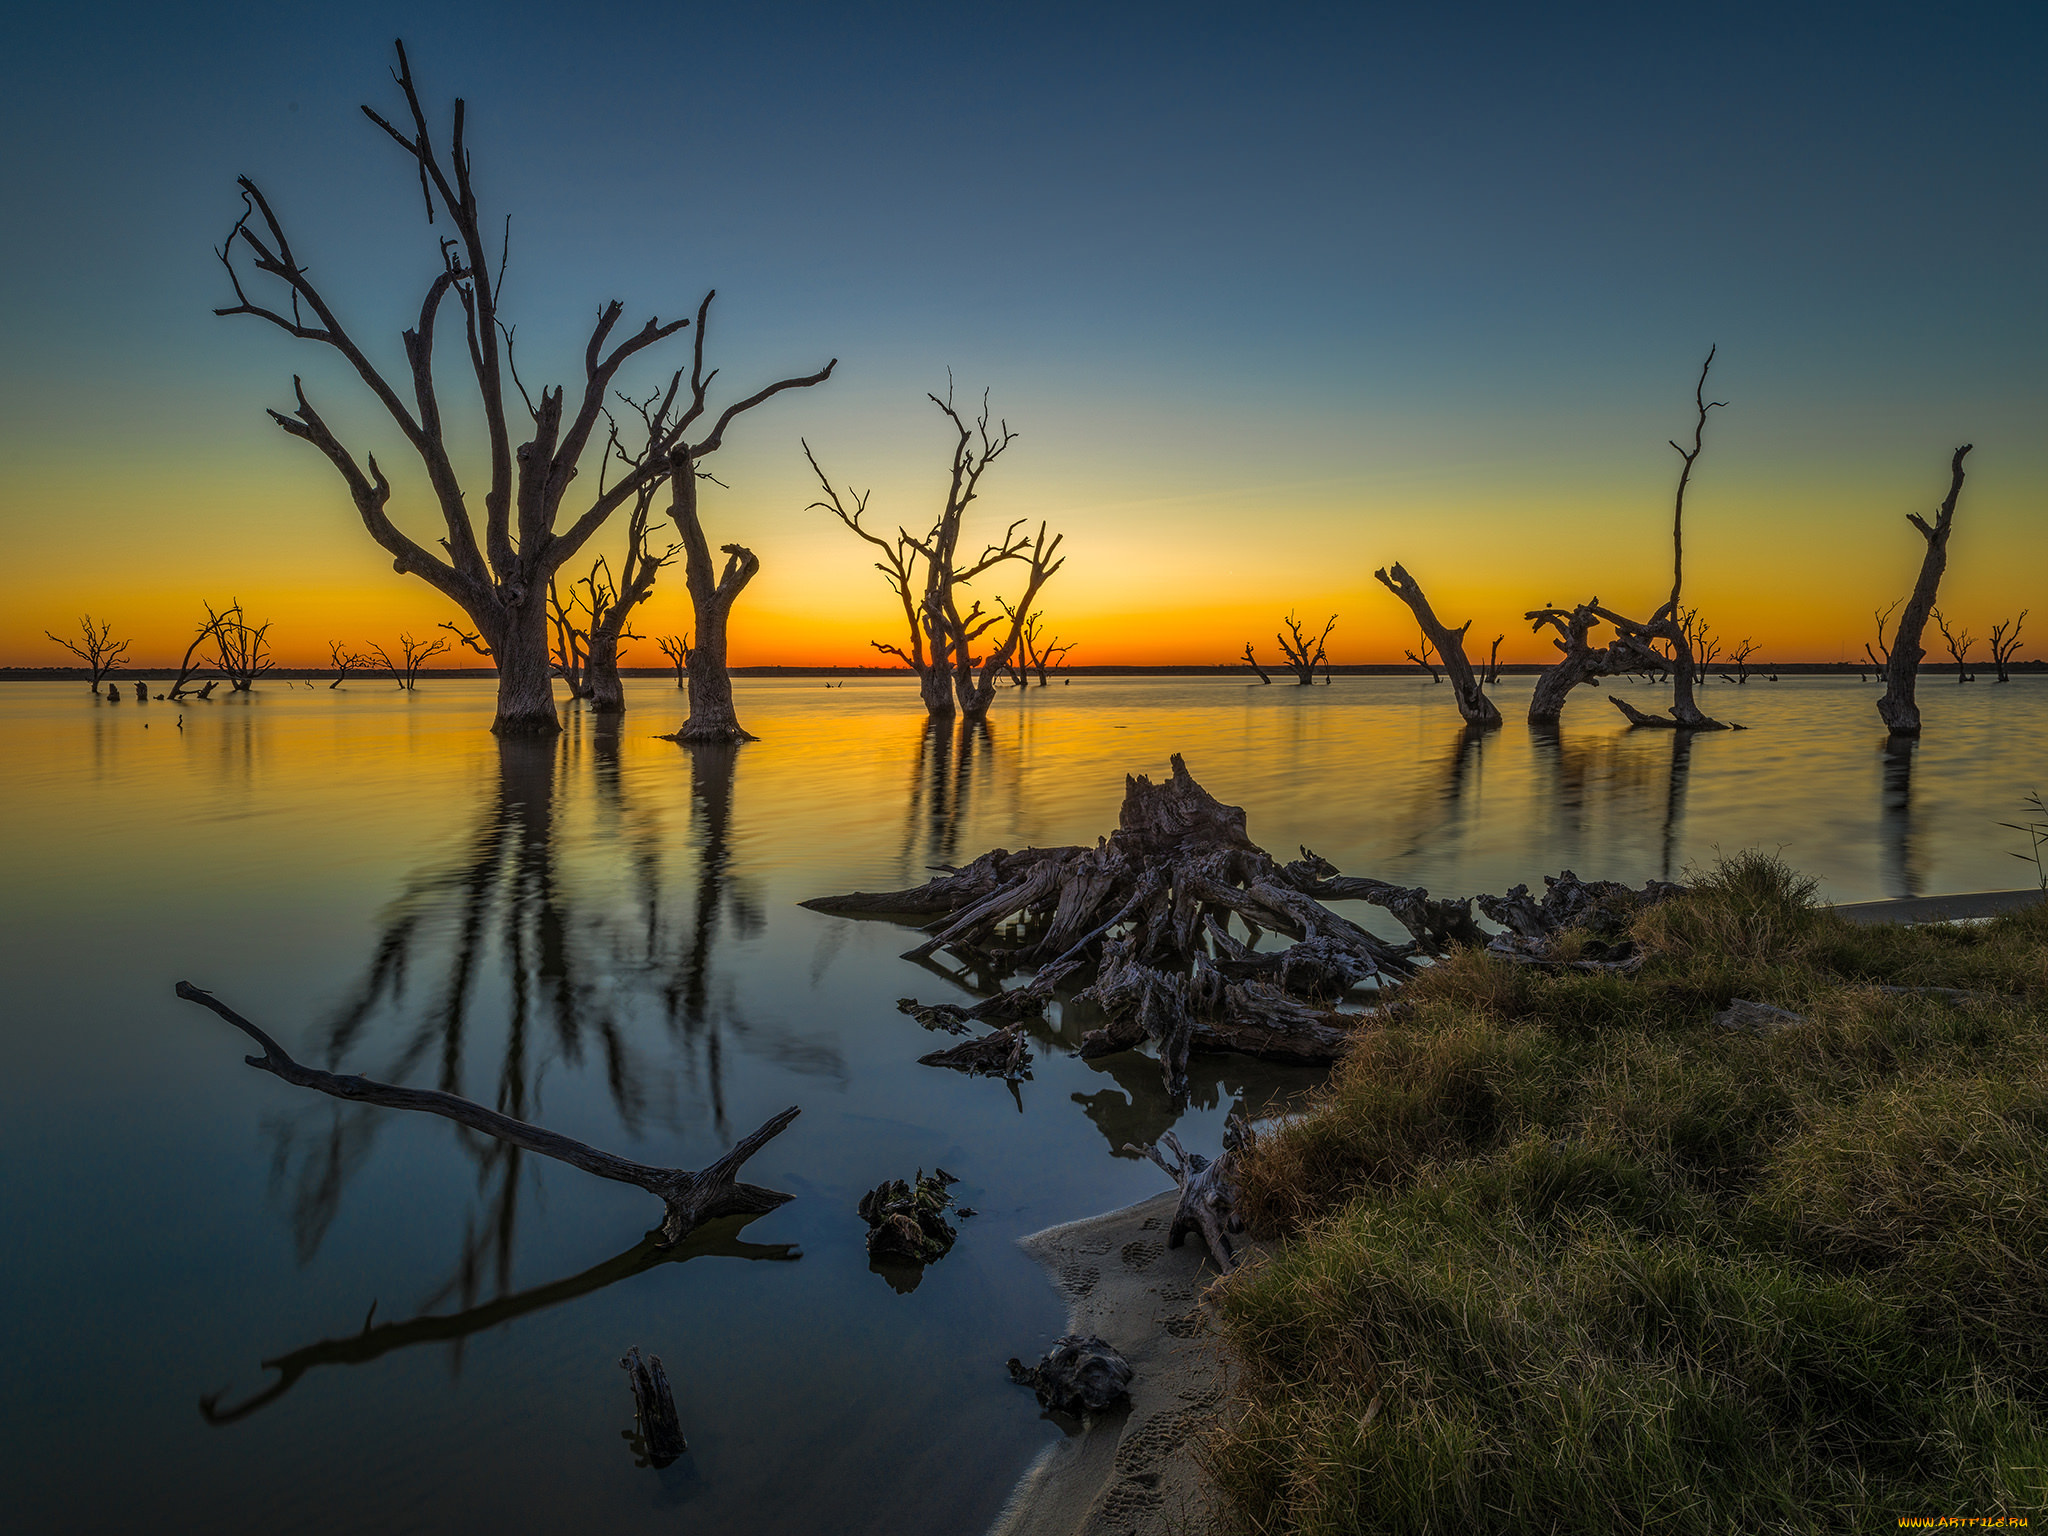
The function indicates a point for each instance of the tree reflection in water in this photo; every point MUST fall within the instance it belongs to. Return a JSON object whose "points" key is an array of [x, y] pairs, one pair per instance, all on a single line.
{"points": [[530, 947], [1895, 817]]}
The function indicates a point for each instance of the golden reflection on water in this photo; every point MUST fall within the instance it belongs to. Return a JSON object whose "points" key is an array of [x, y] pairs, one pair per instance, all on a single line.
{"points": [[601, 932]]}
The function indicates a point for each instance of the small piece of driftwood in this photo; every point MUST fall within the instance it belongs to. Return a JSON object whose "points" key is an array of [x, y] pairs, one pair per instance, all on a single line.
{"points": [[1002, 1053], [907, 1222], [1759, 1019], [661, 1432], [689, 1197], [1208, 1195], [1079, 1374]]}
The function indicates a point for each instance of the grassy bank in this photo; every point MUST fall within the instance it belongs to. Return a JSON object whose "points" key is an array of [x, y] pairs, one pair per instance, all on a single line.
{"points": [[1565, 1256]]}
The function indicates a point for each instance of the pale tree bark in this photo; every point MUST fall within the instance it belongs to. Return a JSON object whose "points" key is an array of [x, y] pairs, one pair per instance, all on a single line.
{"points": [[1898, 708], [1582, 661], [1473, 704], [499, 577]]}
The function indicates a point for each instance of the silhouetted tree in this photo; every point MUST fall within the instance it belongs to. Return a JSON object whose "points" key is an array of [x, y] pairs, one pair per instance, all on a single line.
{"points": [[344, 661], [1958, 643], [1582, 661], [241, 649], [569, 623], [1473, 703], [95, 646], [208, 630], [677, 649], [1880, 653], [1422, 657], [1667, 624], [2005, 640], [1252, 661], [1740, 655], [412, 655], [928, 574], [1898, 708], [1040, 651], [500, 579], [1305, 652]]}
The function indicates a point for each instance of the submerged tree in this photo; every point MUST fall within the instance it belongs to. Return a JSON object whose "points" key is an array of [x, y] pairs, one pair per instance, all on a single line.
{"points": [[2005, 641], [1251, 660], [1669, 623], [1305, 652], [499, 578], [928, 575], [1959, 643], [412, 655], [1422, 654], [1582, 661], [344, 661], [1897, 707], [1473, 704], [677, 649], [241, 650], [1880, 653], [208, 630], [95, 646]]}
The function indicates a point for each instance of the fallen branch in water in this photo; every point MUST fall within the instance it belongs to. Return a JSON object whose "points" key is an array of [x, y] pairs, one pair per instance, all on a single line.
{"points": [[689, 1197]]}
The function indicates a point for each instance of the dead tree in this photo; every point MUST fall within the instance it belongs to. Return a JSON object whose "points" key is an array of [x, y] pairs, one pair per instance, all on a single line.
{"points": [[344, 661], [1421, 658], [1253, 662], [1700, 641], [241, 650], [568, 624], [1473, 703], [1958, 646], [1740, 655], [95, 646], [499, 578], [1042, 653], [412, 655], [207, 631], [1582, 661], [1897, 707], [677, 649], [1880, 654], [1305, 652], [1667, 624], [2005, 640], [687, 1198], [1492, 674], [928, 575]]}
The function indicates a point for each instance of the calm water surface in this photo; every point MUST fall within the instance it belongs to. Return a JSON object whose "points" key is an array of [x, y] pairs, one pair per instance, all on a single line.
{"points": [[234, 1305]]}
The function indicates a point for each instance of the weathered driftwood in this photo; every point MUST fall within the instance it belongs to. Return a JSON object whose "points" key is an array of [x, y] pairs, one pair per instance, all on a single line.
{"points": [[1759, 1019], [1438, 924], [654, 1405], [1004, 1053], [689, 1198], [1079, 1374], [1473, 703], [1898, 708], [1208, 1197], [1138, 922], [1620, 958], [1605, 908], [1582, 661], [907, 1222]]}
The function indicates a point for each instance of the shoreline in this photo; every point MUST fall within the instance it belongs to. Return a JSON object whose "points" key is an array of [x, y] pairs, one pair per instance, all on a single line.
{"points": [[1133, 1471]]}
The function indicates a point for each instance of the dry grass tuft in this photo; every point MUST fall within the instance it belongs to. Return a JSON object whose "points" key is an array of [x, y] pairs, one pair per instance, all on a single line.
{"points": [[1567, 1257]]}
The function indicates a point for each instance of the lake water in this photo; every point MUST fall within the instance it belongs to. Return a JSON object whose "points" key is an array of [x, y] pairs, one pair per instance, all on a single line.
{"points": [[601, 934]]}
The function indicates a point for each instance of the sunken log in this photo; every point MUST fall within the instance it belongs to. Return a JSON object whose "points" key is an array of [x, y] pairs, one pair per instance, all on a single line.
{"points": [[1473, 704], [688, 1198], [1898, 708], [654, 1405], [907, 1222], [1208, 1195]]}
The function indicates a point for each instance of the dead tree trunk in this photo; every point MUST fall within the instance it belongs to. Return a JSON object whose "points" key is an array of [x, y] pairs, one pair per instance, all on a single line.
{"points": [[927, 574], [689, 1198], [2005, 640], [500, 575], [677, 649], [1897, 708], [1420, 656], [1959, 643], [1582, 661], [1253, 662], [1304, 652], [712, 717], [1473, 703], [96, 647], [1669, 622], [1208, 1194]]}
